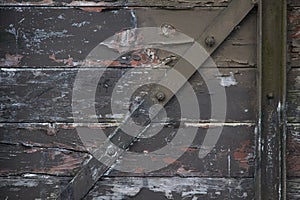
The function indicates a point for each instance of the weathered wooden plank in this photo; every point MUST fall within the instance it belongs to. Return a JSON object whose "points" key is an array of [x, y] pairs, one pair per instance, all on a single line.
{"points": [[293, 96], [31, 186], [45, 187], [57, 153], [51, 98], [64, 37], [294, 36], [293, 189], [172, 188], [17, 159], [175, 4], [293, 3], [293, 151]]}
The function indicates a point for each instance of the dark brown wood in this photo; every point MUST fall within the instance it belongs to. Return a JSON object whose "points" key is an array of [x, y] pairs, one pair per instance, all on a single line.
{"points": [[173, 188], [293, 3], [130, 188], [293, 186], [31, 186], [293, 151], [52, 95], [294, 35], [37, 102], [61, 152], [174, 4], [16, 159], [38, 37], [293, 96]]}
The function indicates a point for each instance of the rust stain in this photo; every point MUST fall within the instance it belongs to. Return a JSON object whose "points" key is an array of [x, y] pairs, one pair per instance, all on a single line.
{"points": [[11, 60], [242, 155], [68, 61], [139, 170], [139, 58], [189, 149], [293, 165], [92, 9], [169, 160], [32, 150]]}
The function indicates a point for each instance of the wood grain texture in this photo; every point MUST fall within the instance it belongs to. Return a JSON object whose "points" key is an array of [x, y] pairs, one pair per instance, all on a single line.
{"points": [[33, 187], [174, 4], [293, 186], [173, 188], [293, 151], [294, 35], [293, 3], [50, 100], [64, 37], [293, 95], [62, 153]]}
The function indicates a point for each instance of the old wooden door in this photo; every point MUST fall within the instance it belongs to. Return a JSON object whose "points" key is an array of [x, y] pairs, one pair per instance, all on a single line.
{"points": [[44, 44]]}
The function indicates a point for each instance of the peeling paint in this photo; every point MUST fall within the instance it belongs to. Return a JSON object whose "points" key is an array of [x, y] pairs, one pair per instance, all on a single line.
{"points": [[11, 60], [185, 187], [227, 81]]}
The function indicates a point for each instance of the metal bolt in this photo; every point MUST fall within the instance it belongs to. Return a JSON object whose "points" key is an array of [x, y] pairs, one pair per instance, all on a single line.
{"points": [[110, 151], [160, 96], [270, 95], [210, 41]]}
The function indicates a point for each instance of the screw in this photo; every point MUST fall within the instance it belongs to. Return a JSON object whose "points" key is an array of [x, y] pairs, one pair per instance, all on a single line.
{"points": [[210, 41], [160, 96], [270, 95], [110, 151]]}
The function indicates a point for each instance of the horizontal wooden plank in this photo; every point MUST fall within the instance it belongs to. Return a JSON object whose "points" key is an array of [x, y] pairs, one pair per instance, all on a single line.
{"points": [[293, 189], [57, 153], [179, 4], [293, 151], [173, 188], [294, 36], [51, 98], [31, 186], [293, 95], [16, 159], [43, 187], [293, 3], [64, 37]]}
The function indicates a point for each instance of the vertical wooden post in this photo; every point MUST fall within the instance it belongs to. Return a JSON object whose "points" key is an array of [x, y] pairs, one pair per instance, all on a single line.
{"points": [[270, 176]]}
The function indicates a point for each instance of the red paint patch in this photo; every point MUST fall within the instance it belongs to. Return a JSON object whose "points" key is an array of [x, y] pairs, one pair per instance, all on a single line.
{"points": [[242, 155], [92, 9], [169, 160]]}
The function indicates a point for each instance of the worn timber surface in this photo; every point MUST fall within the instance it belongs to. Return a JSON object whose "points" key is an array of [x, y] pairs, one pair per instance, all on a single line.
{"points": [[45, 43], [131, 188], [46, 95], [33, 150], [293, 154], [294, 35], [64, 37], [173, 4], [293, 101], [293, 96]]}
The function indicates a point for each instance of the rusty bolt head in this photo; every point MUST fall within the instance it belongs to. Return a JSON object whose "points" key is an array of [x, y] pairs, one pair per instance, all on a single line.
{"points": [[110, 151], [270, 95], [210, 41], [160, 96]]}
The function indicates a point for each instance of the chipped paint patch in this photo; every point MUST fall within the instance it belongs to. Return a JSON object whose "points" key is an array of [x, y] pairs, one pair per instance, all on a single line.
{"points": [[80, 24], [215, 124], [185, 187], [11, 60], [227, 81]]}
